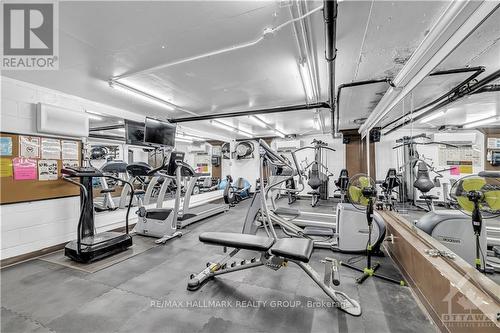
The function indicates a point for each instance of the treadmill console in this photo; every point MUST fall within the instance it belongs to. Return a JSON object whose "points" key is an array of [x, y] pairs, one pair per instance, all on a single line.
{"points": [[81, 172], [175, 157]]}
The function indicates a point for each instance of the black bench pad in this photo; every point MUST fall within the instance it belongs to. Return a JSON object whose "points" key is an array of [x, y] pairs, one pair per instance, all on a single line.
{"points": [[237, 240], [293, 248]]}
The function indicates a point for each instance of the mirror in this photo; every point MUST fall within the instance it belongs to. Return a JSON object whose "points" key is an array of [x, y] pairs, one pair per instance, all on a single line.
{"points": [[446, 129]]}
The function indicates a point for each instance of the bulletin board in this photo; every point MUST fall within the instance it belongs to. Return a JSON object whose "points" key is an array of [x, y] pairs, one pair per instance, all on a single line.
{"points": [[30, 167]]}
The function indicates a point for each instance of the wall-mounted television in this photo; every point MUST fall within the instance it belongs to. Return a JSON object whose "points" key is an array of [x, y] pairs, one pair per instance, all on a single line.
{"points": [[158, 132], [134, 133]]}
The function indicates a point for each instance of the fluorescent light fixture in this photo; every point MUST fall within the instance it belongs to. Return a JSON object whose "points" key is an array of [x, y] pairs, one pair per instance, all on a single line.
{"points": [[231, 128], [482, 122], [248, 135], [263, 124], [94, 117], [432, 116], [280, 134], [259, 121], [223, 126], [306, 80], [141, 94]]}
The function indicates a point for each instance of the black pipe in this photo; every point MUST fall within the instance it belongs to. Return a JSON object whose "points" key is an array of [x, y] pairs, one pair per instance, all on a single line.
{"points": [[355, 84], [457, 71], [459, 94], [252, 112], [106, 128], [477, 71], [489, 88], [330, 17], [107, 137]]}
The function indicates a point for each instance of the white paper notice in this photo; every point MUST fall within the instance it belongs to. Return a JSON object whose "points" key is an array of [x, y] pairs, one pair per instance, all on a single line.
{"points": [[70, 163], [51, 149], [47, 170], [69, 150], [29, 146]]}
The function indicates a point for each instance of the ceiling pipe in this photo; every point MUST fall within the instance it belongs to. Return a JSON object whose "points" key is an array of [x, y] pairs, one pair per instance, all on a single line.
{"points": [[106, 128], [330, 18], [278, 109], [477, 71], [489, 88], [473, 89]]}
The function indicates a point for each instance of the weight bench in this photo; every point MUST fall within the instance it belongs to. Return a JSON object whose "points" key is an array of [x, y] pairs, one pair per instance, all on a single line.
{"points": [[274, 254]]}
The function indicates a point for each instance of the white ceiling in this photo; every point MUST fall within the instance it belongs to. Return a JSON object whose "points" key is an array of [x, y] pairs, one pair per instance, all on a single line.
{"points": [[102, 39], [481, 48]]}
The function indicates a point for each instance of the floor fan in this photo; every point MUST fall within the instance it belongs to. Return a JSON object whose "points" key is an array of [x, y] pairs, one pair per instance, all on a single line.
{"points": [[362, 193]]}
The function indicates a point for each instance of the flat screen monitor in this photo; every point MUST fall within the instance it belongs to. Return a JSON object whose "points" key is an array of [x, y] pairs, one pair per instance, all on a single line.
{"points": [[159, 132], [134, 133]]}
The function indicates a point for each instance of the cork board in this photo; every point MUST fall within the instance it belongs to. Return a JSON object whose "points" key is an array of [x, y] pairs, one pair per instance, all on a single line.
{"points": [[22, 190]]}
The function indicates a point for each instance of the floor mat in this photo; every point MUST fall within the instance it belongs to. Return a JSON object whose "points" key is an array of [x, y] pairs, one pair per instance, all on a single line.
{"points": [[140, 245]]}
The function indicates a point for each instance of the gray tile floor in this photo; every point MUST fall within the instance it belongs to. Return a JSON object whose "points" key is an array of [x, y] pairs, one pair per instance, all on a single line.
{"points": [[38, 296]]}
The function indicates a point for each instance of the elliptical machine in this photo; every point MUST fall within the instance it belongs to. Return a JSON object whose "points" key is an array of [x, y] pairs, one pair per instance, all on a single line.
{"points": [[161, 222]]}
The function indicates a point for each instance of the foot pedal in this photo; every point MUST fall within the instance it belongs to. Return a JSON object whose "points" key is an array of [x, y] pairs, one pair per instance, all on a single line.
{"points": [[331, 272], [318, 231]]}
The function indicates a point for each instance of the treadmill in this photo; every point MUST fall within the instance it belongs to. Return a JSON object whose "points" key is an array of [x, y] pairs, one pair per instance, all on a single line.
{"points": [[89, 245], [188, 215]]}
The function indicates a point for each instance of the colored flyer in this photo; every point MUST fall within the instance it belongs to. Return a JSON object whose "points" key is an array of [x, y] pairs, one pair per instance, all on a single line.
{"points": [[465, 169], [6, 146], [69, 150], [70, 163], [51, 149], [5, 167], [24, 168], [47, 170], [455, 171]]}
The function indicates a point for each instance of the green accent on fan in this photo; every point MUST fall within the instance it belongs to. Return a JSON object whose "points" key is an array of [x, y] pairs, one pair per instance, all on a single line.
{"points": [[465, 203], [356, 195], [473, 183], [364, 181], [492, 198], [477, 261], [368, 271], [369, 247]]}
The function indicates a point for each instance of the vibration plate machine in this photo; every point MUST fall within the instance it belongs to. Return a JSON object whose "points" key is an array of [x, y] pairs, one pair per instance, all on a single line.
{"points": [[89, 245]]}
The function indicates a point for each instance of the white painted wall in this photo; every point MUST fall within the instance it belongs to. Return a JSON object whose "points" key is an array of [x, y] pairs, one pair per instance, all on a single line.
{"points": [[32, 226]]}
